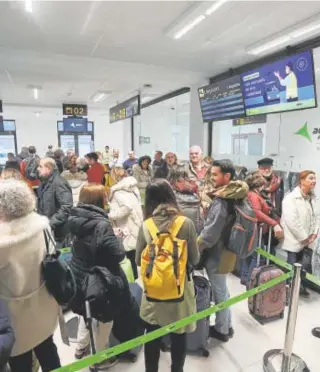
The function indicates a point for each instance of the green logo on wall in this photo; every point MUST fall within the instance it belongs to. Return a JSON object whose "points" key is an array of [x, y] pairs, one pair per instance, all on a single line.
{"points": [[304, 132]]}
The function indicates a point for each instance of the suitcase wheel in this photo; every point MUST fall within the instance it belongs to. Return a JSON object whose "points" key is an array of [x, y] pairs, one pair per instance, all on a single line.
{"points": [[204, 352]]}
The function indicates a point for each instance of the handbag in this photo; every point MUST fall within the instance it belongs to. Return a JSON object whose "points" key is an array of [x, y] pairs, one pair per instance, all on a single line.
{"points": [[57, 274], [307, 255]]}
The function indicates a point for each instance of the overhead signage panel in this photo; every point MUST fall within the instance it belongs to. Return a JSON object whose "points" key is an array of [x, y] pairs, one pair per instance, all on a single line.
{"points": [[125, 110], [72, 109], [75, 124]]}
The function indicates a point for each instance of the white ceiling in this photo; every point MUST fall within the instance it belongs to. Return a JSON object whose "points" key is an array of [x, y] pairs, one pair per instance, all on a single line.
{"points": [[72, 49]]}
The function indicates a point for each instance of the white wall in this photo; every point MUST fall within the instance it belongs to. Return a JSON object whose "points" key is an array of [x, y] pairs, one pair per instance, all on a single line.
{"points": [[42, 131]]}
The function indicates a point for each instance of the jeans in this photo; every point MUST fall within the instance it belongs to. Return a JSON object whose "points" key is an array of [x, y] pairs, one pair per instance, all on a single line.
{"points": [[178, 351], [220, 293], [46, 353], [101, 334], [131, 255]]}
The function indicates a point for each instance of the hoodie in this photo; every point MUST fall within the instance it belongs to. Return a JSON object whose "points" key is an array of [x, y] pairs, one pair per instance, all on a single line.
{"points": [[125, 210], [215, 234]]}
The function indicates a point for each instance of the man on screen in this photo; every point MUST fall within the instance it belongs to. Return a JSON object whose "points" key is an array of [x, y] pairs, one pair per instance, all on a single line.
{"points": [[290, 82]]}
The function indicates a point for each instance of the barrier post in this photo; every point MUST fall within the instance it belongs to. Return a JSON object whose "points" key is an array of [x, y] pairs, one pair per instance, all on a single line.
{"points": [[277, 360]]}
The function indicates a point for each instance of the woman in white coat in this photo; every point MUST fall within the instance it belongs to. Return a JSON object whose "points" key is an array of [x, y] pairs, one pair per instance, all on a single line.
{"points": [[300, 219], [33, 312], [126, 212]]}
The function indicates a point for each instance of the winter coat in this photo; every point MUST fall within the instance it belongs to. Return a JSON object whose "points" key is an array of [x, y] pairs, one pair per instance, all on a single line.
{"points": [[6, 335], [76, 182], [144, 178], [193, 175], [96, 173], [300, 219], [164, 313], [125, 210], [55, 202], [94, 242], [33, 312], [217, 227]]}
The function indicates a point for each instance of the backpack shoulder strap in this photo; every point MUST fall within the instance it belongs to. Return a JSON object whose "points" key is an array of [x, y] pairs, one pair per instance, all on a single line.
{"points": [[152, 227], [176, 225]]}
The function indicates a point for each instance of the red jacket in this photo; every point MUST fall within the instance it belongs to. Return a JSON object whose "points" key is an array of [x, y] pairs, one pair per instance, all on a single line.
{"points": [[261, 208], [95, 173]]}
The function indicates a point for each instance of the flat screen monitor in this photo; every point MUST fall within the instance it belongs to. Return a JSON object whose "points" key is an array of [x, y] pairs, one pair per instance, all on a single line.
{"points": [[75, 124], [222, 100], [284, 85]]}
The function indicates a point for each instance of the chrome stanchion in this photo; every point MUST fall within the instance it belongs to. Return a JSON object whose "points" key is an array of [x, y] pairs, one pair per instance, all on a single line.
{"points": [[277, 360]]}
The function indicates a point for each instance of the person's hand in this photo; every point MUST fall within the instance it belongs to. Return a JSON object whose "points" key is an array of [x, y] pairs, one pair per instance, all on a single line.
{"points": [[312, 238], [306, 242], [277, 74], [278, 232]]}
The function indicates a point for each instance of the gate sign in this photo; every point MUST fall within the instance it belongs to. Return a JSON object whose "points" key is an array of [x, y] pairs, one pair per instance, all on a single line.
{"points": [[75, 124], [71, 109]]}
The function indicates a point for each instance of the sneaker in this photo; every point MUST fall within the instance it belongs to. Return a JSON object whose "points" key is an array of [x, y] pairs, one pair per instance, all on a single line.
{"points": [[219, 336], [81, 353], [103, 366]]}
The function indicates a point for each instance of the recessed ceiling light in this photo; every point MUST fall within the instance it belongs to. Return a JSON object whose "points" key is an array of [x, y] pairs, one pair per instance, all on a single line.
{"points": [[100, 96], [28, 6], [37, 113]]}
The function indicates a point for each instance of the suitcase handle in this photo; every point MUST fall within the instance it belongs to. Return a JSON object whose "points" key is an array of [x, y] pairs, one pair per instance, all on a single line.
{"points": [[262, 246]]}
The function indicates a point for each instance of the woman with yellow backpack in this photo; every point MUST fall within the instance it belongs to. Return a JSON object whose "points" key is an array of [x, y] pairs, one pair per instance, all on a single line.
{"points": [[166, 250]]}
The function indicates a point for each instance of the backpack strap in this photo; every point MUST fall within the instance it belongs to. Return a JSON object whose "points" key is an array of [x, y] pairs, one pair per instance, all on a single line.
{"points": [[152, 228], [176, 226]]}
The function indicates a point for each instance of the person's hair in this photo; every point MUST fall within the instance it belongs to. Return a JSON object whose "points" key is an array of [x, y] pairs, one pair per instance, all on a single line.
{"points": [[82, 163], [304, 174], [50, 147], [161, 172], [172, 154], [208, 159], [159, 152], [177, 174], [159, 192], [58, 153], [92, 156], [255, 180], [196, 148], [10, 154], [93, 194], [49, 163], [32, 150], [11, 173], [290, 65], [115, 173], [17, 200], [143, 158], [226, 166]]}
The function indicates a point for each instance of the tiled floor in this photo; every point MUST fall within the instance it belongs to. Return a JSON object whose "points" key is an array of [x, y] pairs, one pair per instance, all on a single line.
{"points": [[245, 351]]}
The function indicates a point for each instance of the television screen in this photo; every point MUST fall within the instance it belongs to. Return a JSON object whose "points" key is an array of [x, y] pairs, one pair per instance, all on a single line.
{"points": [[284, 85], [75, 124], [222, 100]]}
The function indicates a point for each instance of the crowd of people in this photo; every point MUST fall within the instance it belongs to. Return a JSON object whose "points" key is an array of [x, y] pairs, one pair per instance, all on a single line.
{"points": [[99, 198]]}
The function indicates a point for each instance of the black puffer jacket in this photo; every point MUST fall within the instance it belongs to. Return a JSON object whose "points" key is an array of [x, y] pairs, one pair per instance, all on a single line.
{"points": [[55, 202], [94, 242]]}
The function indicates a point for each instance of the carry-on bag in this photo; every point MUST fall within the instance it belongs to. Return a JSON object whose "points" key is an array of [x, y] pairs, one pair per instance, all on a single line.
{"points": [[198, 340], [128, 324], [270, 304]]}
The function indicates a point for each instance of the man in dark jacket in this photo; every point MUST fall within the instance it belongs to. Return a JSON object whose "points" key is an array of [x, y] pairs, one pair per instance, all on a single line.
{"points": [[55, 198], [215, 236], [12, 162], [6, 335]]}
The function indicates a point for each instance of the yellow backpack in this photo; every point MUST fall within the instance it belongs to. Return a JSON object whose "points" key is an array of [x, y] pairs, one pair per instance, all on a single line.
{"points": [[164, 263]]}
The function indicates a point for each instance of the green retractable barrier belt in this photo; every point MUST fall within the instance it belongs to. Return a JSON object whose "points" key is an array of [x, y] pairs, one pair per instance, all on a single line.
{"points": [[119, 349]]}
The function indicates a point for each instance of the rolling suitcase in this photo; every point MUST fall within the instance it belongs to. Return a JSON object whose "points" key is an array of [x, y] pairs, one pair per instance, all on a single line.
{"points": [[129, 325], [198, 340], [270, 304]]}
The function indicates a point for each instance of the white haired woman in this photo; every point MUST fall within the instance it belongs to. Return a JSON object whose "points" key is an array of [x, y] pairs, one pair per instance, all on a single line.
{"points": [[32, 310]]}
